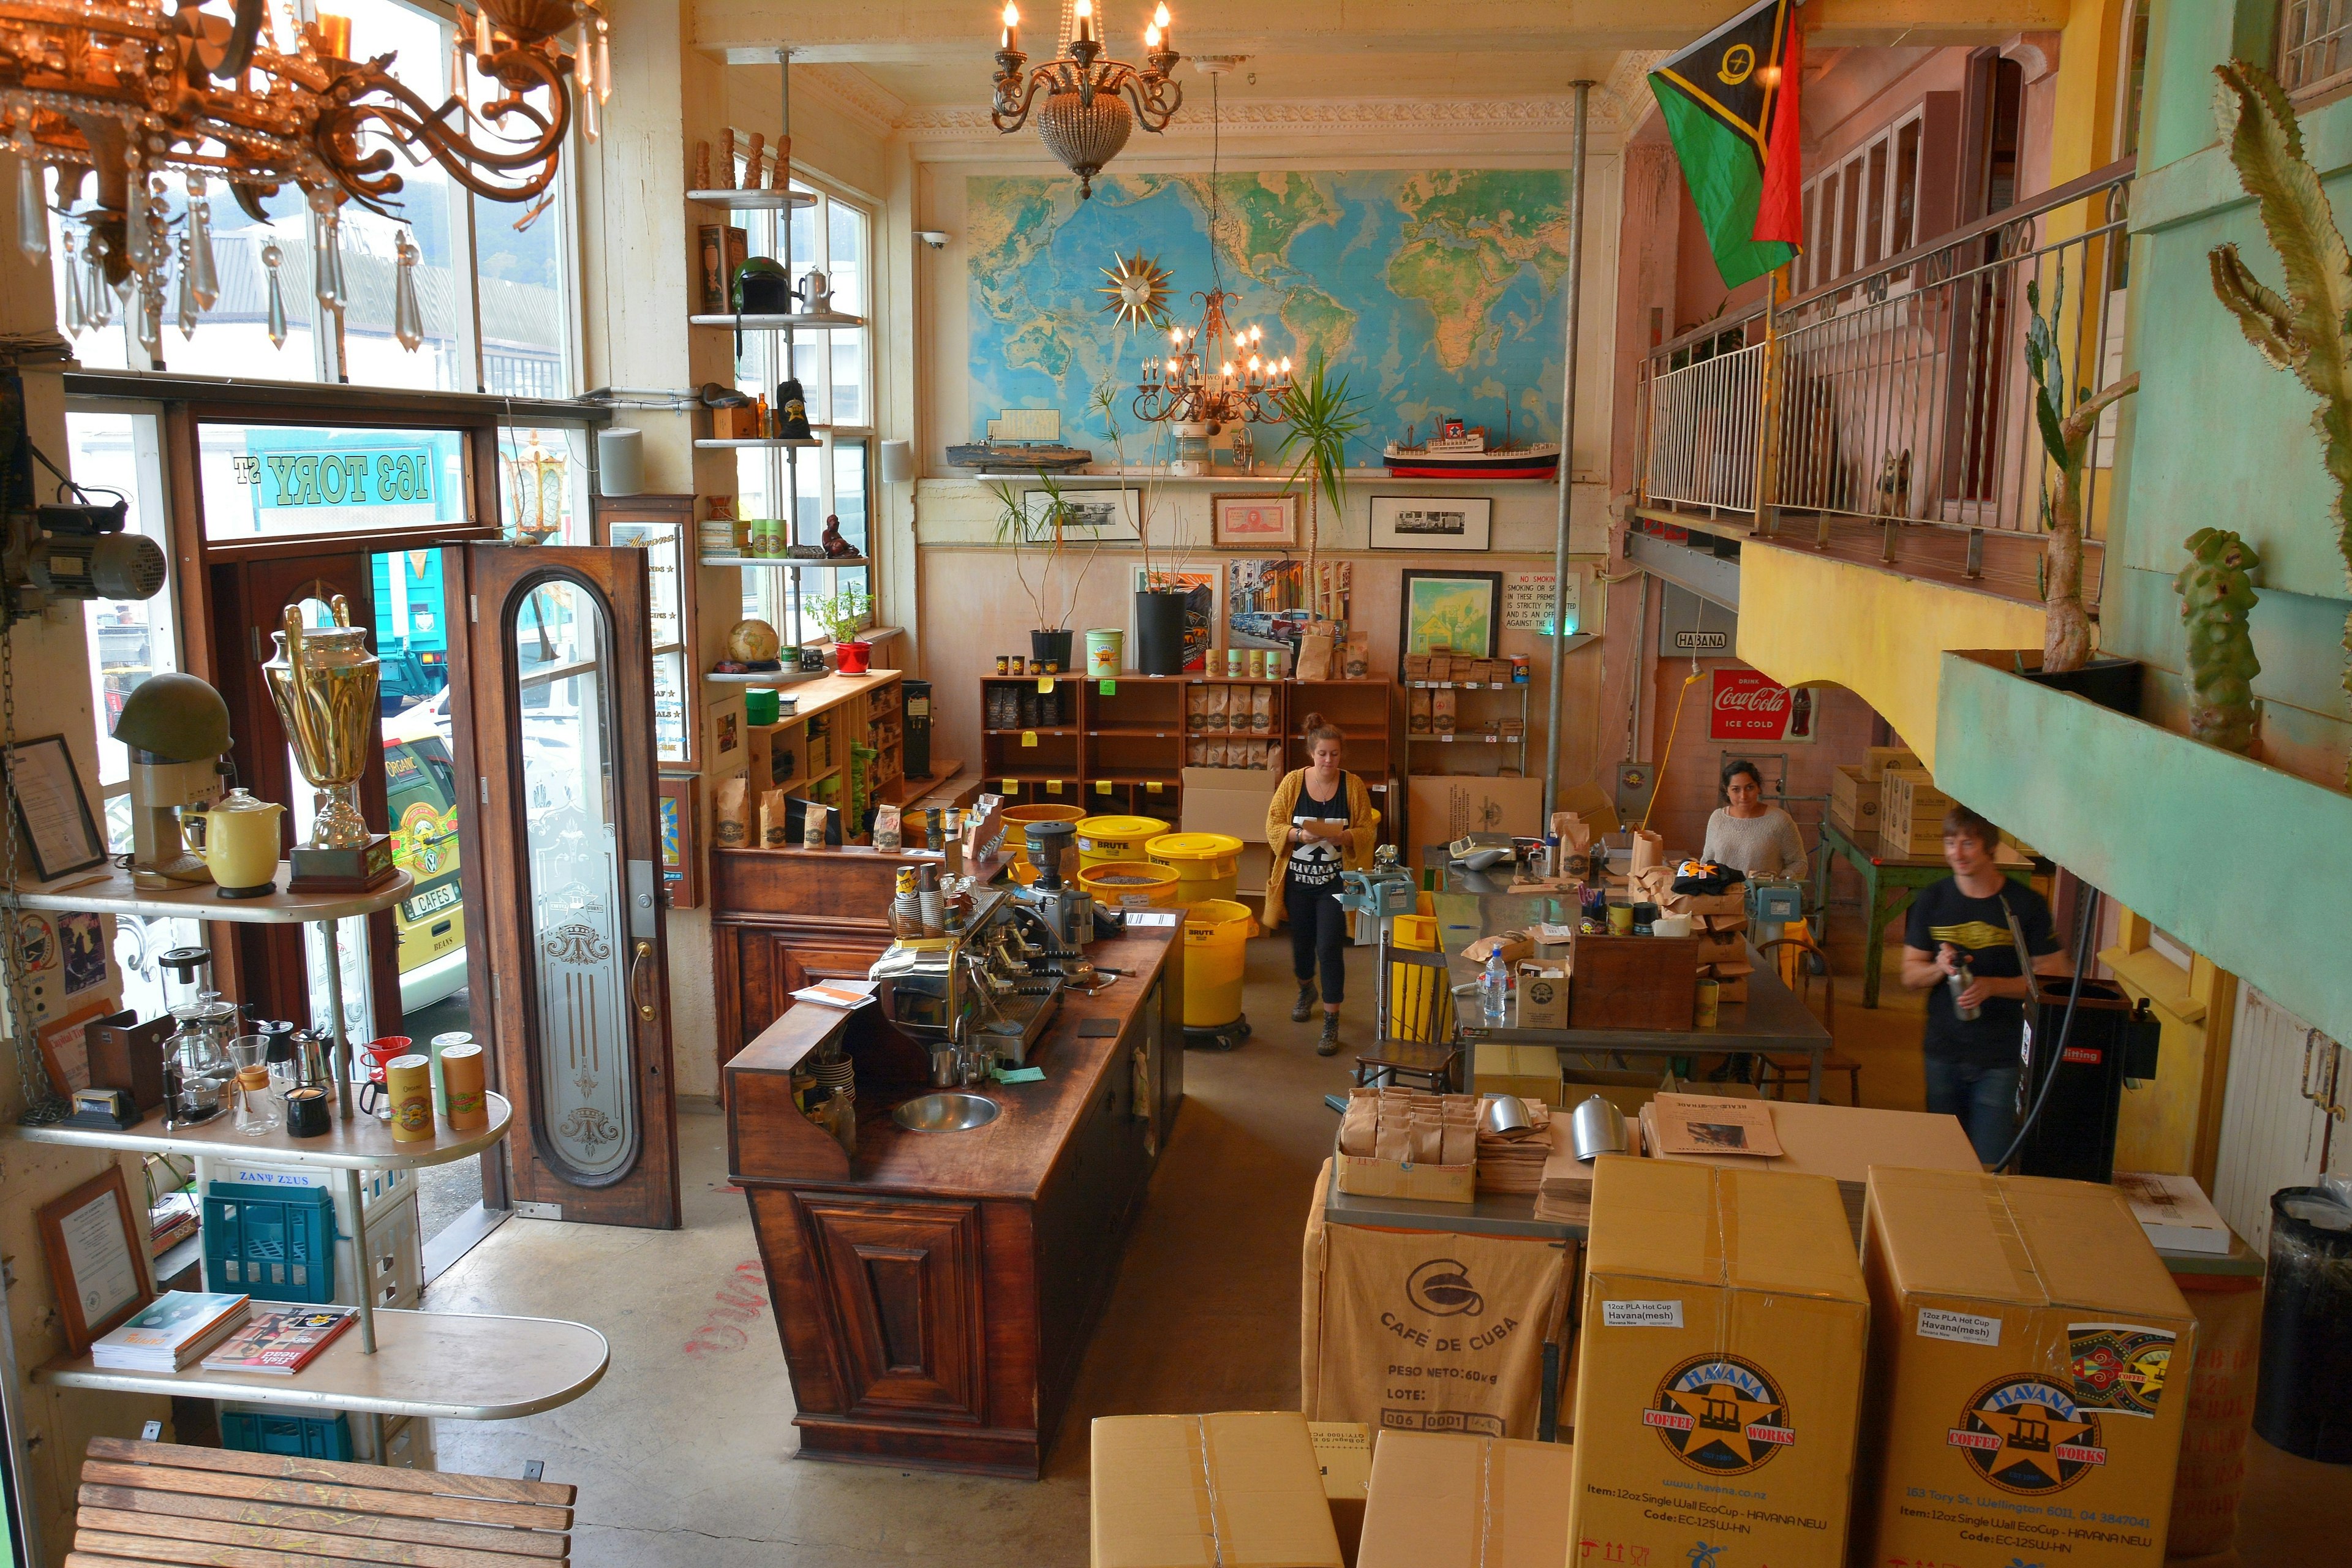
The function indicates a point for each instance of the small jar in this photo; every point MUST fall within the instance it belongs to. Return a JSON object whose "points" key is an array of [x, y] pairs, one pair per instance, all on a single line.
{"points": [[1003, 664]]}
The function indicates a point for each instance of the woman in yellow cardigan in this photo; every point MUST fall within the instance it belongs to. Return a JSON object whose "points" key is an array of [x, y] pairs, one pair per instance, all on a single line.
{"points": [[1319, 821]]}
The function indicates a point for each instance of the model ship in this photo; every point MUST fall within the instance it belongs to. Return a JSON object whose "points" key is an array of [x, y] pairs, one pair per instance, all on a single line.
{"points": [[1461, 451], [1040, 456]]}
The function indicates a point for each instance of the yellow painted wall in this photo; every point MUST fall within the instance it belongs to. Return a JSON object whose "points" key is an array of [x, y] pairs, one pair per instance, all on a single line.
{"points": [[1805, 620], [2172, 1123]]}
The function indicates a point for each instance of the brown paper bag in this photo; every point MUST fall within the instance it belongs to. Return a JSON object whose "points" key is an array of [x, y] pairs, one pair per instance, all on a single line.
{"points": [[1356, 658], [730, 826], [812, 827], [1359, 1127], [1196, 708], [886, 828], [1441, 713], [1649, 849], [1219, 701], [1417, 711], [1261, 710], [773, 835], [1315, 653]]}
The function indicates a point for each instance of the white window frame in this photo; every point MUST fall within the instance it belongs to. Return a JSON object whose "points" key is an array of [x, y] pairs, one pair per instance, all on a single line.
{"points": [[1825, 199]]}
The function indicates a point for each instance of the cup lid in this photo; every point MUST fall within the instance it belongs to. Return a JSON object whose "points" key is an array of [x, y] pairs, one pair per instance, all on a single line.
{"points": [[238, 800]]}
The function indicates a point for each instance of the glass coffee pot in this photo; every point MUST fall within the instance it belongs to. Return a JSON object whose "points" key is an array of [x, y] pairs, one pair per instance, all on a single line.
{"points": [[198, 1076]]}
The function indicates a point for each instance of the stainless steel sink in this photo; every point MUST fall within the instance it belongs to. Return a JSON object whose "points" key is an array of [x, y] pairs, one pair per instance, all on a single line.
{"points": [[948, 1112]]}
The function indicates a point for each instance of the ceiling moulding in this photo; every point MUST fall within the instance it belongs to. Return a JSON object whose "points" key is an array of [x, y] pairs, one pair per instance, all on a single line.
{"points": [[850, 92], [1550, 114]]}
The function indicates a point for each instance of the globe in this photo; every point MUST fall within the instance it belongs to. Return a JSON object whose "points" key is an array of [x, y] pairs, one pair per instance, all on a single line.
{"points": [[752, 642]]}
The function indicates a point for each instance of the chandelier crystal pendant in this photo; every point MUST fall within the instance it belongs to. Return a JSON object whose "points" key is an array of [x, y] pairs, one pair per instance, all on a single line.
{"points": [[236, 90], [1085, 117]]}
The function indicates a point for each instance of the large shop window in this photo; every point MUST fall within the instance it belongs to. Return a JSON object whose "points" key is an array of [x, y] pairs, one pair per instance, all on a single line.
{"points": [[835, 370], [497, 299], [278, 482]]}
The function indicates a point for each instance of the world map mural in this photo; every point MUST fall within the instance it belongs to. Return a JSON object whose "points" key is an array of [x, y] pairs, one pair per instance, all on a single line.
{"points": [[1437, 294]]}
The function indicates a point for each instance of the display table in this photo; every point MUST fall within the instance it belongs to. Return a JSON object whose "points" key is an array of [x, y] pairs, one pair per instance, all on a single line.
{"points": [[1889, 881], [935, 1291]]}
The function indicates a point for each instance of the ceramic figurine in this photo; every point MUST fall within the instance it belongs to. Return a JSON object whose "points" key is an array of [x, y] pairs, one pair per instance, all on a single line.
{"points": [[833, 544], [791, 411]]}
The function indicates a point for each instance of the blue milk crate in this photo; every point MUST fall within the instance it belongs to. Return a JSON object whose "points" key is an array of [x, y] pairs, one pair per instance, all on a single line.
{"points": [[274, 1243], [298, 1436]]}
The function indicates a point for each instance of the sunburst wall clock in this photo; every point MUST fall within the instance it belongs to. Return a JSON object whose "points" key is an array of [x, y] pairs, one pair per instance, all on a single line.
{"points": [[1137, 294]]}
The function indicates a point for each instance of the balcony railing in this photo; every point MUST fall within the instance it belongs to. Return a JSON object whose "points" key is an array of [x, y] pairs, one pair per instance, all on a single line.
{"points": [[1899, 395]]}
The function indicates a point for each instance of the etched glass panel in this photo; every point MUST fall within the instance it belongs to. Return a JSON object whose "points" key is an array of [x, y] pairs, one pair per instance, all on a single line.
{"points": [[588, 1114]]}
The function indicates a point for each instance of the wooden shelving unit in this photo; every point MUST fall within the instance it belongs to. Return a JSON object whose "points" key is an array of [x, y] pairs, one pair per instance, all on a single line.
{"points": [[830, 712]]}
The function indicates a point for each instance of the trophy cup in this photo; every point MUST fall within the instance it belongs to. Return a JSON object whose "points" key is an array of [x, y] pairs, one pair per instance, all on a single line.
{"points": [[324, 683]]}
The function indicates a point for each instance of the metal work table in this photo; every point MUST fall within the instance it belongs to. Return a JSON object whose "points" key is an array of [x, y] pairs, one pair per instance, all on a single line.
{"points": [[1887, 883], [1772, 1018]]}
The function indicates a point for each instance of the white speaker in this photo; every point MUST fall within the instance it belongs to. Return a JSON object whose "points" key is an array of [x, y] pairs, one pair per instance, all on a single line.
{"points": [[898, 462], [620, 462]]}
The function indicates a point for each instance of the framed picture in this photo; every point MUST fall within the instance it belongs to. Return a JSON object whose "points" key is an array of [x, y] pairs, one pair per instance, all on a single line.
{"points": [[1254, 522], [1431, 523], [1455, 610], [677, 815], [726, 745], [97, 1252], [65, 1045], [52, 812], [1088, 516], [1199, 611]]}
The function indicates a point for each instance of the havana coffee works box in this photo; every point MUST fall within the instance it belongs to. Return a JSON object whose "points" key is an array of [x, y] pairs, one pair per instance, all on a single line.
{"points": [[2023, 1337], [1725, 1330]]}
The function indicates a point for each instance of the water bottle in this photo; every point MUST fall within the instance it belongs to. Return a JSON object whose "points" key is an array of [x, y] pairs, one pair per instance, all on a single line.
{"points": [[1960, 982], [1494, 992]]}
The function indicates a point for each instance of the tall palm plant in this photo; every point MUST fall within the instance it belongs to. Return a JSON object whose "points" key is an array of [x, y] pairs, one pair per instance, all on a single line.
{"points": [[1321, 416]]}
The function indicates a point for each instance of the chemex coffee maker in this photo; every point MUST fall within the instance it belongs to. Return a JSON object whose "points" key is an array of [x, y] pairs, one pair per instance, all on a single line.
{"points": [[176, 730]]}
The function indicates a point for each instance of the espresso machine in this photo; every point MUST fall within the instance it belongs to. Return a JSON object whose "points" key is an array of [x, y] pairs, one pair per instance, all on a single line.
{"points": [[992, 987]]}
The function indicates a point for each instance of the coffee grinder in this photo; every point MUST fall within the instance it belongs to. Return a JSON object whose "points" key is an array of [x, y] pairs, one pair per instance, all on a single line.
{"points": [[1067, 913], [176, 729]]}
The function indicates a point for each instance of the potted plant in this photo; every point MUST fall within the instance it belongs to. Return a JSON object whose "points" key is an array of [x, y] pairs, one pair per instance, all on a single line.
{"points": [[1048, 549], [1322, 416], [1161, 614], [844, 615]]}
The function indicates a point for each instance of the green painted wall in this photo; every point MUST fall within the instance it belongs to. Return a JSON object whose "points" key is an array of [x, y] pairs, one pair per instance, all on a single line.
{"points": [[2250, 866]]}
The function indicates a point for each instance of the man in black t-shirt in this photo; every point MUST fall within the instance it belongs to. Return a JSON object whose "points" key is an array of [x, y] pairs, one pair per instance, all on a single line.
{"points": [[1973, 1063]]}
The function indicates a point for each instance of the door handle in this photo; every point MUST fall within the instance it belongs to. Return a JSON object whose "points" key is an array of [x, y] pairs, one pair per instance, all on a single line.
{"points": [[637, 972]]}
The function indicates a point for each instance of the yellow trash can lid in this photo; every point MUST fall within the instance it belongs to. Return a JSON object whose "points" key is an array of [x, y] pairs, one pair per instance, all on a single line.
{"points": [[1194, 846], [1120, 827]]}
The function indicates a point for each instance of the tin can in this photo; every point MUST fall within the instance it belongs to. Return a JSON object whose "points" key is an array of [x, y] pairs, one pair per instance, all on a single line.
{"points": [[1003, 664], [1233, 663], [1519, 669], [1049, 667], [1274, 663], [1257, 664], [462, 1069], [408, 1084], [1710, 1003], [1020, 665]]}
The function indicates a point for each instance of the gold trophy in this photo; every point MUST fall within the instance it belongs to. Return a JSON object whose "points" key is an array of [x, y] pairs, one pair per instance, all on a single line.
{"points": [[324, 683]]}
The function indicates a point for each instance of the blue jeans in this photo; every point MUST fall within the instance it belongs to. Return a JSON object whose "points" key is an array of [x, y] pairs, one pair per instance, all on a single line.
{"points": [[1984, 1098]]}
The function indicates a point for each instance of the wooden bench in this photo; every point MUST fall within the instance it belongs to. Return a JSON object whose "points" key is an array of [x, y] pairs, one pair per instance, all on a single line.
{"points": [[160, 1503]]}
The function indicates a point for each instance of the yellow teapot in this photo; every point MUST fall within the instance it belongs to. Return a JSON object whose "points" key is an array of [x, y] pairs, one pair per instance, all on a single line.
{"points": [[238, 840]]}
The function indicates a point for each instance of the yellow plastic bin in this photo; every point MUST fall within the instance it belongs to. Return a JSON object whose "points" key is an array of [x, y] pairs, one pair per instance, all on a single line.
{"points": [[1017, 840], [1208, 866], [1120, 883], [1104, 839], [1216, 948]]}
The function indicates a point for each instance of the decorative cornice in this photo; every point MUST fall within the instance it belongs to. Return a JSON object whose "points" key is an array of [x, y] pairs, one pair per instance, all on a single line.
{"points": [[853, 94], [1546, 115]]}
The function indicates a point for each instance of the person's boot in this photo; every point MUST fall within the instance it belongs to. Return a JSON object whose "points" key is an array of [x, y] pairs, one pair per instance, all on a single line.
{"points": [[1304, 1008], [1329, 1046]]}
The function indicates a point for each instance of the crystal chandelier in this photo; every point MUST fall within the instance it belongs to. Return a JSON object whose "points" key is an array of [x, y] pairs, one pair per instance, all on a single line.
{"points": [[238, 92], [1085, 119], [1213, 373]]}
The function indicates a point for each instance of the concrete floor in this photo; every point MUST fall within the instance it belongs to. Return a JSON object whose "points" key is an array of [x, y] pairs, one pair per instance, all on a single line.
{"points": [[684, 1455]]}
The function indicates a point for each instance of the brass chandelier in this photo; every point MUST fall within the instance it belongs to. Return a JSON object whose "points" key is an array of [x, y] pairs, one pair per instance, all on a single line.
{"points": [[236, 91], [1085, 119], [1213, 373]]}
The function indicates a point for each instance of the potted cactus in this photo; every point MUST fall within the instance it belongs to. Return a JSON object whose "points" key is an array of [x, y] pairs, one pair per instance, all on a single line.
{"points": [[844, 615]]}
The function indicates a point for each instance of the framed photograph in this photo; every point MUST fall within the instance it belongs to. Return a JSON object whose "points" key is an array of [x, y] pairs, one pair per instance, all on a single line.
{"points": [[1199, 589], [726, 745], [1431, 523], [677, 815], [1454, 610], [65, 1047], [97, 1252], [1088, 516], [1254, 522], [52, 812]]}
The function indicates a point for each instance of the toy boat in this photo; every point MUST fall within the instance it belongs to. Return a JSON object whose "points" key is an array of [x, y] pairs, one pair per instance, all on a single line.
{"points": [[1041, 456], [1459, 451]]}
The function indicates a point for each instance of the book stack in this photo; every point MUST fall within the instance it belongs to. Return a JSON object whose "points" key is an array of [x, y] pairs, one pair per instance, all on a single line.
{"points": [[171, 1221], [719, 536], [282, 1340], [170, 1332], [1514, 1162]]}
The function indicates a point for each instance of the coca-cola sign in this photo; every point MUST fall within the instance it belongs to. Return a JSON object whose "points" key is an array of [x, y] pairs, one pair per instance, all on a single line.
{"points": [[1749, 707]]}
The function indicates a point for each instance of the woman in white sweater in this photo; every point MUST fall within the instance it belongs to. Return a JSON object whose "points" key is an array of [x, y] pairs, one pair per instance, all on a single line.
{"points": [[1760, 840]]}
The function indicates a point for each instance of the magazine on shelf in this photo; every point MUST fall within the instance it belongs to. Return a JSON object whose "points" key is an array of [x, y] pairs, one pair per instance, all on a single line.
{"points": [[169, 1332], [282, 1340]]}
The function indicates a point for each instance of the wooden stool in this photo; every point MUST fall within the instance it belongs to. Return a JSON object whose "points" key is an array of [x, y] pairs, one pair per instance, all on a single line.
{"points": [[1435, 1067], [1775, 1073], [161, 1503]]}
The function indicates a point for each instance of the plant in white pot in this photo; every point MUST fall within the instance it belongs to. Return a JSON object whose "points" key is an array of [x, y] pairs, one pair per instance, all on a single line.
{"points": [[843, 616]]}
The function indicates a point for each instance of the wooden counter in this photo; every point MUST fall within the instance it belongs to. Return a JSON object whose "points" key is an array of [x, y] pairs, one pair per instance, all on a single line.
{"points": [[783, 917], [934, 1293]]}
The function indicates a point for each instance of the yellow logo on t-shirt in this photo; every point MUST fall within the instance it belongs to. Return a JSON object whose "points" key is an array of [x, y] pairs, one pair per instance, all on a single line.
{"points": [[1974, 935]]}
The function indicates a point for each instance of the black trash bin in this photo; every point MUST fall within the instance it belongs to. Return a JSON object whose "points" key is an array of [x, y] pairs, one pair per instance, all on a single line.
{"points": [[2303, 1403]]}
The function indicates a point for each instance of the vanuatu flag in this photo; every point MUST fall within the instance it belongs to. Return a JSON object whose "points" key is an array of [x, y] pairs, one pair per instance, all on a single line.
{"points": [[1730, 105]]}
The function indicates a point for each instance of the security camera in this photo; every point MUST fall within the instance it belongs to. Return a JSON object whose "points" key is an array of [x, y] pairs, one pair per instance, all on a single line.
{"points": [[937, 238]]}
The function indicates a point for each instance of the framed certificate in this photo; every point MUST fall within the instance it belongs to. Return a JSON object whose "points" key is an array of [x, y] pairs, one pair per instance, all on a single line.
{"points": [[51, 810], [97, 1251]]}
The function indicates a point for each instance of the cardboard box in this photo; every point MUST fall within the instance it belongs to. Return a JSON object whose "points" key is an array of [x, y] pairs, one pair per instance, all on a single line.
{"points": [[1531, 1072], [1543, 996], [1843, 1141], [1633, 983], [2029, 1370], [1439, 1500], [1228, 800], [1199, 1491], [1445, 806], [1367, 1176], [1719, 1390], [1344, 1450], [1911, 813], [1878, 759], [1854, 801]]}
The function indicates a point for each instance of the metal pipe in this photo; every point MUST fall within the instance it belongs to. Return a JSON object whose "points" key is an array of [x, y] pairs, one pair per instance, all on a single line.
{"points": [[1575, 286]]}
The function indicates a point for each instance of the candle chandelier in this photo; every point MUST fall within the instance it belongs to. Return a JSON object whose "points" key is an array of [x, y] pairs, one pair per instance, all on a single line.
{"points": [[237, 92], [1213, 373], [1085, 119]]}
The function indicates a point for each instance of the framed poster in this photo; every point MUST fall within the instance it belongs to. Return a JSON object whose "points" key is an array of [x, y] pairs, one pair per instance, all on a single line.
{"points": [[1199, 611], [97, 1253], [52, 812], [65, 1047], [1527, 602], [1431, 523], [726, 745], [1254, 522], [1264, 600], [677, 816], [1459, 611], [1750, 707], [1088, 517]]}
